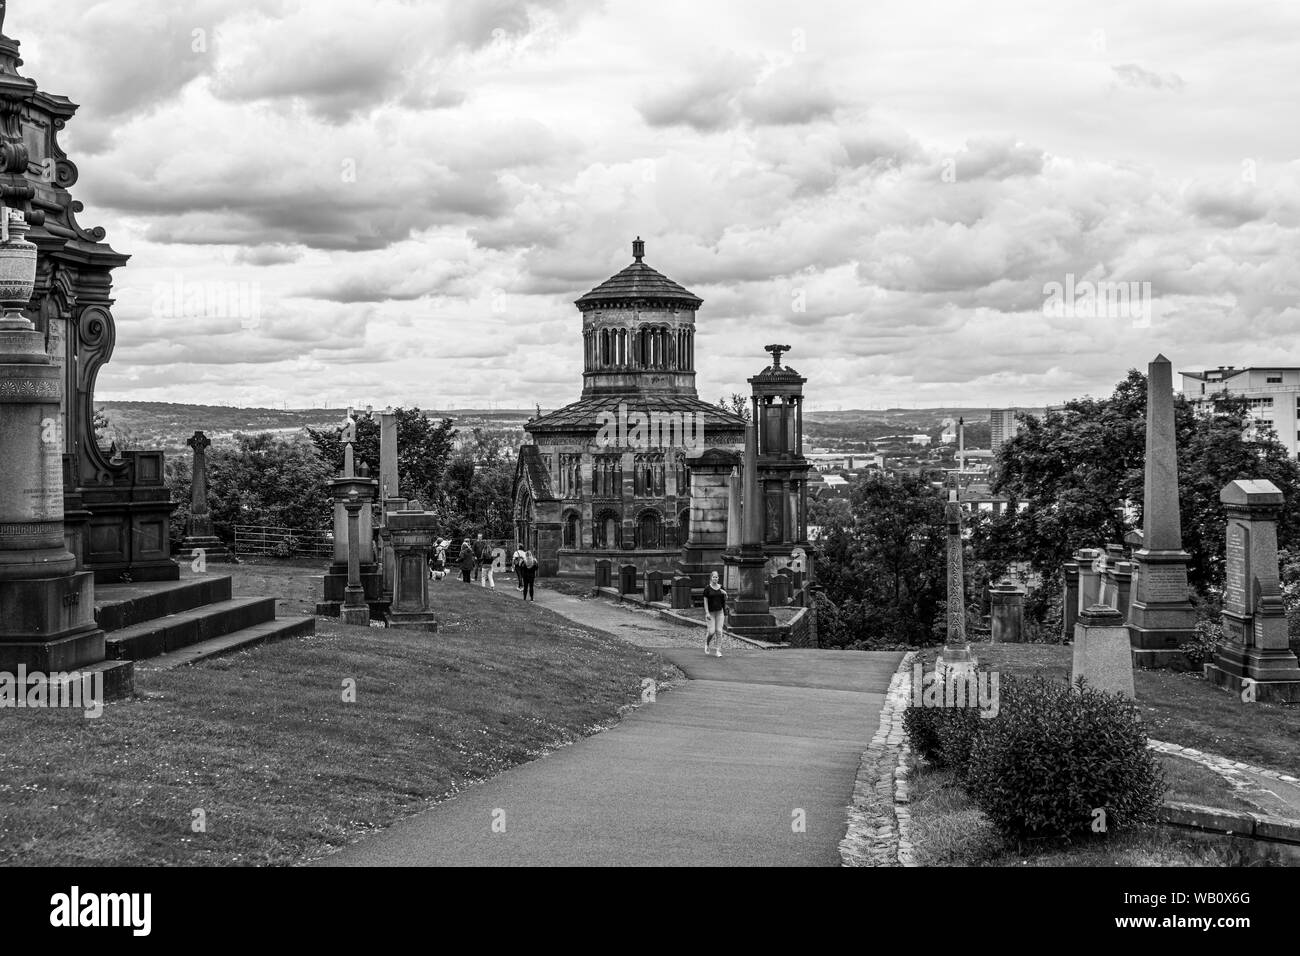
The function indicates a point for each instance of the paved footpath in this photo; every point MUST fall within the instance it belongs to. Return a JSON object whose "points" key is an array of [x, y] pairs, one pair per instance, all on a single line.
{"points": [[717, 771]]}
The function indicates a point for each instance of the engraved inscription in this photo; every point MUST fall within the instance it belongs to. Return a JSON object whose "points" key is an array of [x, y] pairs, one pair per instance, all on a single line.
{"points": [[1234, 592], [1164, 585]]}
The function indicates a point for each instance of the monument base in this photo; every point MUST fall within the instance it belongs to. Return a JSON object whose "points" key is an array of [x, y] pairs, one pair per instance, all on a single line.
{"points": [[1160, 648], [1103, 655], [213, 548], [414, 620], [358, 616], [748, 612], [955, 660], [1269, 691]]}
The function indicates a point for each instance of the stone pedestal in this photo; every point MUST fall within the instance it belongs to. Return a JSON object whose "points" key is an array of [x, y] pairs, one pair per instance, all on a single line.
{"points": [[748, 611], [1254, 657], [778, 590], [1102, 654], [604, 574], [1007, 613], [412, 535], [1117, 582]]}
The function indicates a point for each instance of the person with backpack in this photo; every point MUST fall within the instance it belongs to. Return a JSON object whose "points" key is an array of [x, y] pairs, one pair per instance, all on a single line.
{"points": [[516, 562], [715, 614], [484, 551], [467, 561], [528, 575]]}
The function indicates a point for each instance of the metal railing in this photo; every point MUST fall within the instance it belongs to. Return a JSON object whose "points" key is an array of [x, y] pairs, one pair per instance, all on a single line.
{"points": [[282, 542]]}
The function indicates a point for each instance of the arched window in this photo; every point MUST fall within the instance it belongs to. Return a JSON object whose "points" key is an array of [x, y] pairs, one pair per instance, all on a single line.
{"points": [[649, 530], [573, 530], [607, 531], [683, 525]]}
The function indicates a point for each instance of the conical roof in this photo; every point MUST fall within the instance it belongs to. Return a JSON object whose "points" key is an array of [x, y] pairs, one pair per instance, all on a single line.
{"points": [[638, 282]]}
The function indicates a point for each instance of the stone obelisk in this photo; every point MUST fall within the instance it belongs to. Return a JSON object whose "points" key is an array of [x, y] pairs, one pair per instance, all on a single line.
{"points": [[1161, 617], [956, 654]]}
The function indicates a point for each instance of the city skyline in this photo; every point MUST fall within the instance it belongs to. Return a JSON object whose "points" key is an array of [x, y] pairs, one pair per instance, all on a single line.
{"points": [[403, 206]]}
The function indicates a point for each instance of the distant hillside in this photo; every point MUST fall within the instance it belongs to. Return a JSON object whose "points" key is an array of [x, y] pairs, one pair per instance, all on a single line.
{"points": [[166, 426]]}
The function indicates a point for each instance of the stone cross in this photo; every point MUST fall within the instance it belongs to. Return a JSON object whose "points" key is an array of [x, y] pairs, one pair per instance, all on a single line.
{"points": [[199, 484]]}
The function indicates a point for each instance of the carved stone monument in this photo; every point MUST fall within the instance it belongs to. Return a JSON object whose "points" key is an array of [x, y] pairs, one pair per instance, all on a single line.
{"points": [[342, 490], [1254, 657], [199, 536], [412, 535], [1102, 655], [956, 655], [47, 606], [1161, 618]]}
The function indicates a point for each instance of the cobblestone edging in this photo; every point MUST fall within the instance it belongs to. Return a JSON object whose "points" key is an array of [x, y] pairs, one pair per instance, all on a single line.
{"points": [[1233, 771], [879, 820]]}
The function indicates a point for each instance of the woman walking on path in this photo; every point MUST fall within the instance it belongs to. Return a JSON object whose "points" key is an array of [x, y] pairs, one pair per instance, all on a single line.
{"points": [[517, 562], [715, 613], [528, 574], [467, 561]]}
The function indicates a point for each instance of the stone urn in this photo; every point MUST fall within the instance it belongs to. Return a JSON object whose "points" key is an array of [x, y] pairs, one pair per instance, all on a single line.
{"points": [[17, 263]]}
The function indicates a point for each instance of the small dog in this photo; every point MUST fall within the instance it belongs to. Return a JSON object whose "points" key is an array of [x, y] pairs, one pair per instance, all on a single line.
{"points": [[437, 575]]}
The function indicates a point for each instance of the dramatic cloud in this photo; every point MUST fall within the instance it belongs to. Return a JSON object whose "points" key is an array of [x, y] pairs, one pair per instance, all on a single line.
{"points": [[398, 202]]}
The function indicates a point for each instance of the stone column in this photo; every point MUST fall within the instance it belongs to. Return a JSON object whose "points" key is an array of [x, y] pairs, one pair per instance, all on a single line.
{"points": [[1102, 655], [200, 536], [956, 654], [1007, 613], [1254, 657], [355, 609], [336, 579], [1069, 599], [750, 614], [1161, 617]]}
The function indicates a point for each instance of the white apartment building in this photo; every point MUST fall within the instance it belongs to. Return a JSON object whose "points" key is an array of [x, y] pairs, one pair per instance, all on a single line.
{"points": [[1273, 395]]}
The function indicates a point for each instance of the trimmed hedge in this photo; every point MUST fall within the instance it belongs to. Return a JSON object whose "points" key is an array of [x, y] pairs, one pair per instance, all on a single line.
{"points": [[1062, 761]]}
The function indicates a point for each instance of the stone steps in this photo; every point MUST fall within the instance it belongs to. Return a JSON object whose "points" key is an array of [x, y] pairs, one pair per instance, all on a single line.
{"points": [[242, 639], [172, 632], [122, 605]]}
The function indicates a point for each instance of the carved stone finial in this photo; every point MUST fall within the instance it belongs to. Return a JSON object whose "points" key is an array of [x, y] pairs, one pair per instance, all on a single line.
{"points": [[638, 249], [199, 442], [777, 351]]}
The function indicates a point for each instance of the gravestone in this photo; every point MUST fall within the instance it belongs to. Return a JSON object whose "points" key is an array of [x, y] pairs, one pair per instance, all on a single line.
{"points": [[1254, 658], [1007, 613], [681, 593], [627, 579], [199, 535], [354, 480], [355, 610], [778, 590], [1102, 654], [654, 586], [1161, 617], [604, 573], [1090, 563], [412, 536]]}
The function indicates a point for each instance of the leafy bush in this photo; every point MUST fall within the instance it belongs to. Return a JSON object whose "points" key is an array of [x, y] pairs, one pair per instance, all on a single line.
{"points": [[1055, 755], [287, 547], [1200, 651], [922, 726], [944, 735]]}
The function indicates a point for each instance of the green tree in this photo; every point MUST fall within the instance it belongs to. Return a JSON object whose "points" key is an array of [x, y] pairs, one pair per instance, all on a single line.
{"points": [[886, 570], [1079, 471], [267, 480], [737, 404], [424, 447]]}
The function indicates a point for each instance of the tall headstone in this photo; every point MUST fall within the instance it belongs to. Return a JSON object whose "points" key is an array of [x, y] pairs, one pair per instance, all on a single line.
{"points": [[956, 654], [412, 535], [1161, 617], [47, 606], [1007, 613], [1254, 657], [388, 474], [199, 536]]}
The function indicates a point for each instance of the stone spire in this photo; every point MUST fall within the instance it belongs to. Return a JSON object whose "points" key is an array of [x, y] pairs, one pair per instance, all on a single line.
{"points": [[1161, 521]]}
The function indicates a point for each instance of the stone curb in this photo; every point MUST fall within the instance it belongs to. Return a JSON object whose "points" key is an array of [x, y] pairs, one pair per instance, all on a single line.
{"points": [[879, 826], [1232, 771], [1258, 826]]}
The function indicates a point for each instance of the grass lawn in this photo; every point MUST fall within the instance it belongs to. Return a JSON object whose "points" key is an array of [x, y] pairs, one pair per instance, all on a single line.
{"points": [[1182, 708], [281, 767], [949, 830]]}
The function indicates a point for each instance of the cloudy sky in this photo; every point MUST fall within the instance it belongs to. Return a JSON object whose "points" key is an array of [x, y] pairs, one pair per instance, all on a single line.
{"points": [[409, 195]]}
